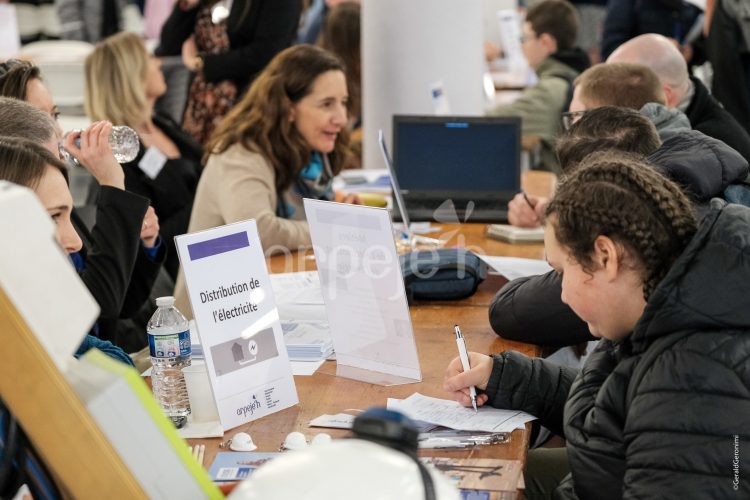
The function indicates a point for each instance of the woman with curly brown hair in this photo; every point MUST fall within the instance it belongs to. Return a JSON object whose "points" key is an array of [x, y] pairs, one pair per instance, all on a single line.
{"points": [[284, 141], [660, 405]]}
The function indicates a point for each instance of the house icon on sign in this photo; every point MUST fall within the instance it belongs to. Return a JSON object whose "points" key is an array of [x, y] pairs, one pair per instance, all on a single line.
{"points": [[237, 352]]}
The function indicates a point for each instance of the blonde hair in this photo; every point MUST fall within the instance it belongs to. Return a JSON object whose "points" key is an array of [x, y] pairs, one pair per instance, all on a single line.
{"points": [[115, 77]]}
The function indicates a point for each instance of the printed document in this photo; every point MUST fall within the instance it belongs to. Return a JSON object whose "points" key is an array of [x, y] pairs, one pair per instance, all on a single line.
{"points": [[451, 414]]}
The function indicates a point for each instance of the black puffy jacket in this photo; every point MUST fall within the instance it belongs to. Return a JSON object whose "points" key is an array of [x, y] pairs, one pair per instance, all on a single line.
{"points": [[530, 309], [666, 412], [707, 115]]}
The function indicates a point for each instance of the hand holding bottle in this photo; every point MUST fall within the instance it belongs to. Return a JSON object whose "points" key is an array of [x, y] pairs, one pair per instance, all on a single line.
{"points": [[93, 151]]}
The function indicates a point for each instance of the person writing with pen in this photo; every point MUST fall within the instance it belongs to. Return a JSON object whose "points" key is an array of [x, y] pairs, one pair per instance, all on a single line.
{"points": [[648, 414]]}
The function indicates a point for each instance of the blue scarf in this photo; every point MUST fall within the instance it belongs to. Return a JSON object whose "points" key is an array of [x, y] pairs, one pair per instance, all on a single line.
{"points": [[315, 181]]}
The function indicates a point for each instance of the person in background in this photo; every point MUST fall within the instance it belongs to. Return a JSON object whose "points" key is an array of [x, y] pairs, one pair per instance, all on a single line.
{"points": [[727, 29], [226, 43], [121, 251], [29, 164], [529, 309], [122, 84], [592, 14], [548, 43], [626, 19], [284, 141], [646, 415], [314, 17], [682, 91], [629, 86], [90, 20], [341, 36]]}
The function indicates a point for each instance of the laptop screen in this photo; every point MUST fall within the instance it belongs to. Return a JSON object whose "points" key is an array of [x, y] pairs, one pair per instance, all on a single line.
{"points": [[471, 154]]}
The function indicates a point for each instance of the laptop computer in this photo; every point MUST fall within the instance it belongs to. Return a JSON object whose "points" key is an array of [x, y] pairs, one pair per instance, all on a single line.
{"points": [[457, 169]]}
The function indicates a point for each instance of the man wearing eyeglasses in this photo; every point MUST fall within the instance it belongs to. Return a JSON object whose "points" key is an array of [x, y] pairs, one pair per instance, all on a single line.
{"points": [[548, 43]]}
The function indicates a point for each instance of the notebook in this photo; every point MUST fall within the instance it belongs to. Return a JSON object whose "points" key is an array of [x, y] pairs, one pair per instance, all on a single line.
{"points": [[457, 169], [513, 234]]}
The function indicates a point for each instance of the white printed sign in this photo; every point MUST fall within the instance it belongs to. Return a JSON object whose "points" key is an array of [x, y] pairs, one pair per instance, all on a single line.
{"points": [[362, 285], [238, 322]]}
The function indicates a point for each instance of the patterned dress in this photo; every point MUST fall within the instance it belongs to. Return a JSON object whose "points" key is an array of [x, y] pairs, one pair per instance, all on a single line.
{"points": [[208, 102]]}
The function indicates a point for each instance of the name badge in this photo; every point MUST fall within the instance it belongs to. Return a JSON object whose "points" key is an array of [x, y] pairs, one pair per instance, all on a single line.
{"points": [[152, 162]]}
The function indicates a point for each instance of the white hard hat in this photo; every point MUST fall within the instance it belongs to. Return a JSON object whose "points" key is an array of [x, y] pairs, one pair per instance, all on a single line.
{"points": [[343, 469]]}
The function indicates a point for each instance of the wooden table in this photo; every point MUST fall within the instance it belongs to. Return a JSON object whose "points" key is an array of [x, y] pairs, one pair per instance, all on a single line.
{"points": [[324, 393], [432, 322]]}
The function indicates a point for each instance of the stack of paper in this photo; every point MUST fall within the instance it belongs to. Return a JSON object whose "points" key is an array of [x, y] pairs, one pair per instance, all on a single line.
{"points": [[307, 340], [298, 296], [454, 416], [513, 234], [363, 181], [303, 319]]}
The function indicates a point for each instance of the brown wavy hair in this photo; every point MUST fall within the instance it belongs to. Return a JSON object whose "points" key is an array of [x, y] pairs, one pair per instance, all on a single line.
{"points": [[15, 75], [624, 198], [261, 120]]}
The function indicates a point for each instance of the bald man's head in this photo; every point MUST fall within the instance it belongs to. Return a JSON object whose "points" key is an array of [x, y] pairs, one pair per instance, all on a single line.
{"points": [[663, 58]]}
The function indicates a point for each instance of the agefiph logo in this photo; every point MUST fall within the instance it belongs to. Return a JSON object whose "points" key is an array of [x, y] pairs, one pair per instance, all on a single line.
{"points": [[244, 410]]}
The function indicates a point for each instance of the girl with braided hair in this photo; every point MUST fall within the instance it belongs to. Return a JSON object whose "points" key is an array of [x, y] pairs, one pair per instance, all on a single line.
{"points": [[661, 406]]}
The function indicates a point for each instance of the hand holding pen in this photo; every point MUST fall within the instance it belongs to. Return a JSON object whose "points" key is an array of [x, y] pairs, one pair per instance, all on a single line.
{"points": [[460, 382], [525, 210]]}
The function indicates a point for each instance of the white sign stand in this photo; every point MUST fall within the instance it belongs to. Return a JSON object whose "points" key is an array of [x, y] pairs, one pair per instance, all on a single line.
{"points": [[38, 278], [360, 277], [238, 322]]}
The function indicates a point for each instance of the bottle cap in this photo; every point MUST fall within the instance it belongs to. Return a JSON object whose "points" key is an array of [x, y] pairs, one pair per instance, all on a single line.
{"points": [[165, 301]]}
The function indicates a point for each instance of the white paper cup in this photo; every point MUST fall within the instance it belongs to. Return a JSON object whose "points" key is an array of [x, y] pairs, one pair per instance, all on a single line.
{"points": [[202, 405]]}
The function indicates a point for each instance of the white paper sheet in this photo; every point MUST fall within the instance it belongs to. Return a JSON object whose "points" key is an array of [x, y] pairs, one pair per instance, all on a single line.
{"points": [[38, 277], [451, 414], [338, 421], [306, 368], [297, 288], [516, 267]]}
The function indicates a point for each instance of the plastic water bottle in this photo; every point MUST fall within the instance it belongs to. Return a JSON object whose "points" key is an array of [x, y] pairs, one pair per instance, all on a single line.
{"points": [[123, 140], [169, 345]]}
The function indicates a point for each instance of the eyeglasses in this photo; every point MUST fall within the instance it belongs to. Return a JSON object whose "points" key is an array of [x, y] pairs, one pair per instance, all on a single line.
{"points": [[570, 117]]}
